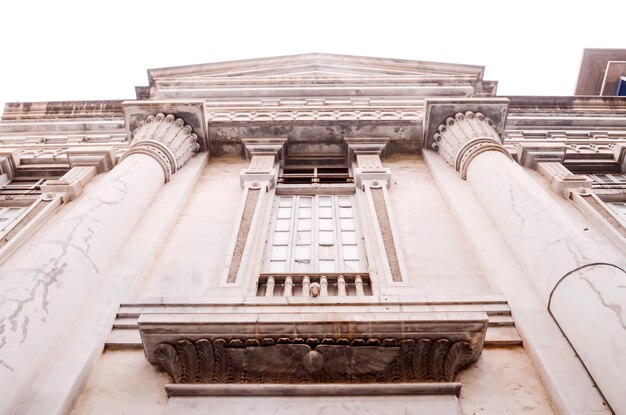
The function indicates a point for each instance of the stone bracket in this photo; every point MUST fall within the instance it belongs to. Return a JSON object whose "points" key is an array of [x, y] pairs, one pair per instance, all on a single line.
{"points": [[368, 152], [313, 348], [263, 154], [561, 180], [102, 159], [263, 146], [531, 155], [71, 184]]}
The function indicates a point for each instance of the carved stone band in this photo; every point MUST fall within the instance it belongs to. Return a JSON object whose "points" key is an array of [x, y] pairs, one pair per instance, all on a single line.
{"points": [[167, 139], [313, 360], [462, 137], [403, 347], [473, 148]]}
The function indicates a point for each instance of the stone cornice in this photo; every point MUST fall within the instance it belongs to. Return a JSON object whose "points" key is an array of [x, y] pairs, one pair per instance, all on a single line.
{"points": [[167, 139], [367, 145], [263, 146]]}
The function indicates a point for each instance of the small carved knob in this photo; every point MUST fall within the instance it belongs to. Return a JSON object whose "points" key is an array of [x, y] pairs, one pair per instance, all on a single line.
{"points": [[313, 361], [315, 289]]}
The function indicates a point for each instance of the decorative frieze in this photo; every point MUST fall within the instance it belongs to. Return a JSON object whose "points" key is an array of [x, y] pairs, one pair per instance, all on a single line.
{"points": [[463, 137], [167, 139], [313, 360], [343, 114], [313, 348]]}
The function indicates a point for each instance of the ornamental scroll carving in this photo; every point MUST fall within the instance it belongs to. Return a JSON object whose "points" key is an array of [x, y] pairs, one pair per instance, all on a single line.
{"points": [[313, 360], [462, 137], [167, 139]]}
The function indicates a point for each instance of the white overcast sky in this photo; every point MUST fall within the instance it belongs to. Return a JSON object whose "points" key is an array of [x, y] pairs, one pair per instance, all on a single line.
{"points": [[84, 50]]}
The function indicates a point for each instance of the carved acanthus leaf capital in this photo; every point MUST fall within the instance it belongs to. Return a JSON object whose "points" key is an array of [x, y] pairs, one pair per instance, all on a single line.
{"points": [[462, 137], [167, 139]]}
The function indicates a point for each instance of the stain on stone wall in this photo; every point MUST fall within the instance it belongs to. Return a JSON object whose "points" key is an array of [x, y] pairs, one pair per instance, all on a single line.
{"points": [[242, 234]]}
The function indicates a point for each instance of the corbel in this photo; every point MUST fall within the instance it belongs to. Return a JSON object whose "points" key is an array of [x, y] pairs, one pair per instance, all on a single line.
{"points": [[367, 153], [263, 154]]}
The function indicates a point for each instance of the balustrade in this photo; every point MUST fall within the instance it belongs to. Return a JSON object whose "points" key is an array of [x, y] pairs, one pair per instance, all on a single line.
{"points": [[316, 285]]}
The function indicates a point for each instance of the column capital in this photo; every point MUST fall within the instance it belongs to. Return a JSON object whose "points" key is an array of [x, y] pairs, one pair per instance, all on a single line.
{"points": [[459, 129], [167, 139], [463, 137]]}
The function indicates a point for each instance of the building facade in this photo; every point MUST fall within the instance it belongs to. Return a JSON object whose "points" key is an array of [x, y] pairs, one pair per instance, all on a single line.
{"points": [[317, 234]]}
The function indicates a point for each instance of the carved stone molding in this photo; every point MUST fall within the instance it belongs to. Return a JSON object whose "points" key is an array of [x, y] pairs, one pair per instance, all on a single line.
{"points": [[342, 114], [463, 137], [329, 347], [167, 139], [561, 180], [313, 360]]}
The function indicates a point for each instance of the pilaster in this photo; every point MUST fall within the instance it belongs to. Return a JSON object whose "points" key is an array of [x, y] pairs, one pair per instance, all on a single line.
{"points": [[256, 180], [374, 179]]}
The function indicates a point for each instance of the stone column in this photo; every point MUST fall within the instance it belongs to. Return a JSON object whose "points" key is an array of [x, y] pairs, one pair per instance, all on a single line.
{"points": [[583, 290], [51, 280]]}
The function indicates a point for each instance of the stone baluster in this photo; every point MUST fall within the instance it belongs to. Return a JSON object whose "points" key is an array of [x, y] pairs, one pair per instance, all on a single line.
{"points": [[288, 286], [269, 287], [323, 286], [341, 286], [306, 284], [358, 285]]}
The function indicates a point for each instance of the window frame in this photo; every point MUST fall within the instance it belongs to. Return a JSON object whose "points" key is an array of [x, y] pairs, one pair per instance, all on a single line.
{"points": [[315, 247]]}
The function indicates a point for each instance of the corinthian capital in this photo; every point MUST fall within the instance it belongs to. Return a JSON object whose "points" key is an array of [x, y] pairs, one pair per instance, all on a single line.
{"points": [[167, 139], [462, 137]]}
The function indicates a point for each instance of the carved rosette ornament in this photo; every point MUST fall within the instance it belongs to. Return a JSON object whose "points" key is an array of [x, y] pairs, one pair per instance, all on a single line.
{"points": [[314, 360], [167, 139], [463, 137]]}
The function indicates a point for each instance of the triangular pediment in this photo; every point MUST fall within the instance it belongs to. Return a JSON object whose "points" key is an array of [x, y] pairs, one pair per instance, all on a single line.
{"points": [[316, 66], [315, 74]]}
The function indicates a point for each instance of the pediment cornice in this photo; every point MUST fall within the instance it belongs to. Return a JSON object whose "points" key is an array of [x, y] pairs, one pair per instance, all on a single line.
{"points": [[316, 61]]}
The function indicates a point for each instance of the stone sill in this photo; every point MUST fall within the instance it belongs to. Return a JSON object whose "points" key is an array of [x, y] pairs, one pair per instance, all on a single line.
{"points": [[332, 389]]}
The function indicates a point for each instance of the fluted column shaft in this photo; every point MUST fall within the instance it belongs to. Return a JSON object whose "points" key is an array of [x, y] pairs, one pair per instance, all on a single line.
{"points": [[50, 280], [588, 303]]}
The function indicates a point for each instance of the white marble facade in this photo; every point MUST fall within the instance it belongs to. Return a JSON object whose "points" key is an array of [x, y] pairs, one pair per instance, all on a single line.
{"points": [[319, 234]]}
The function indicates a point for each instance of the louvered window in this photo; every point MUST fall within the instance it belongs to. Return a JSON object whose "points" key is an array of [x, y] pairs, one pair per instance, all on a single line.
{"points": [[314, 234]]}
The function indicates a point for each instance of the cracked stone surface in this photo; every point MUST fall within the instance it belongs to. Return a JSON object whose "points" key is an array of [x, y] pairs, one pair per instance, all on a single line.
{"points": [[50, 284]]}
